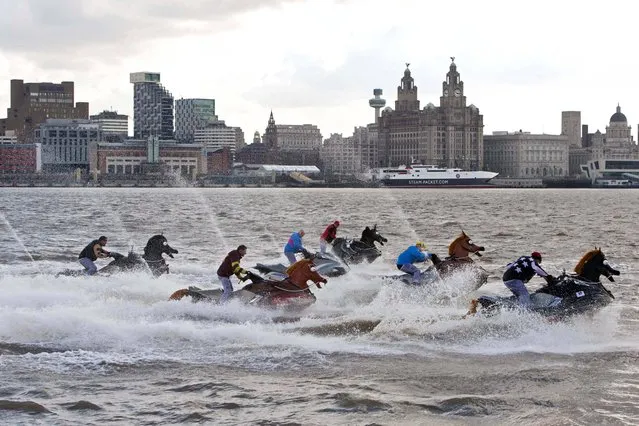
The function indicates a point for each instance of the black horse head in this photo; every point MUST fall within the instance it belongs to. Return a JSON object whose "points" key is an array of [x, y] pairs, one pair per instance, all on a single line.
{"points": [[155, 248], [594, 264], [370, 236]]}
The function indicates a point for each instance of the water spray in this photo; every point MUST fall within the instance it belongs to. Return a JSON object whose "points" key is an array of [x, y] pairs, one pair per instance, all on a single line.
{"points": [[15, 235]]}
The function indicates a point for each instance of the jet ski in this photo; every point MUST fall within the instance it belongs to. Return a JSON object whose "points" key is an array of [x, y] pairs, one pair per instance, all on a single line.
{"points": [[120, 263], [276, 294], [569, 295], [429, 276], [325, 264]]}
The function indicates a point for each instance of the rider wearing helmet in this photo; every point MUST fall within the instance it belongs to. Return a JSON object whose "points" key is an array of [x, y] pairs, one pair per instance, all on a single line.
{"points": [[412, 255], [521, 271], [329, 234]]}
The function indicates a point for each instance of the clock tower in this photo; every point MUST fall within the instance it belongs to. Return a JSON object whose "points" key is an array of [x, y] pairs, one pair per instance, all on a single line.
{"points": [[453, 89], [407, 93]]}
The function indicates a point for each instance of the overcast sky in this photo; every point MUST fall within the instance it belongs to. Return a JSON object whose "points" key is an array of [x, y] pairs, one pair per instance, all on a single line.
{"points": [[318, 61]]}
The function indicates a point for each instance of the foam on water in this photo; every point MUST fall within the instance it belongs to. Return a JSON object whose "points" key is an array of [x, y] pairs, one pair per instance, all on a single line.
{"points": [[127, 319]]}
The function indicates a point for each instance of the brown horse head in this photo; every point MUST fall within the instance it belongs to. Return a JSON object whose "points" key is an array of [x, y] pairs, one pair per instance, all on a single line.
{"points": [[462, 246], [303, 271], [579, 269]]}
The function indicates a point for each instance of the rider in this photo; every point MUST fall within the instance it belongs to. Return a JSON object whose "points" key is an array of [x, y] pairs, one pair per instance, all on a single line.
{"points": [[91, 253], [411, 255], [521, 271], [329, 234], [294, 245], [302, 270], [231, 266]]}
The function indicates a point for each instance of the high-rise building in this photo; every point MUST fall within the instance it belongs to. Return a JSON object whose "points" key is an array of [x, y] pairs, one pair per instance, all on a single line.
{"points": [[152, 107], [33, 103], [450, 135], [191, 115], [113, 125], [571, 127]]}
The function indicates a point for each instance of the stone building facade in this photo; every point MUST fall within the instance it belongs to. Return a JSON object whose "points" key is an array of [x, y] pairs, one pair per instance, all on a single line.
{"points": [[450, 135], [525, 155]]}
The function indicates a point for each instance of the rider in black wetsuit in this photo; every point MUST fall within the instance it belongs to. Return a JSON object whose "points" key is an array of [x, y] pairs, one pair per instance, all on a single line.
{"points": [[91, 253]]}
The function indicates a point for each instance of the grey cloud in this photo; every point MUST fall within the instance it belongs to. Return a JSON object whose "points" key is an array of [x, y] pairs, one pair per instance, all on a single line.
{"points": [[42, 26], [310, 85]]}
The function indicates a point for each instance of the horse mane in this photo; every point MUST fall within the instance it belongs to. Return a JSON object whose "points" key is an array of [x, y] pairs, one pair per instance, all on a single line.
{"points": [[579, 269], [452, 246]]}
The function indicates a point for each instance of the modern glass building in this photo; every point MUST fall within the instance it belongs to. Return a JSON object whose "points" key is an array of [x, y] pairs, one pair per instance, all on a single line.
{"points": [[152, 107], [192, 115]]}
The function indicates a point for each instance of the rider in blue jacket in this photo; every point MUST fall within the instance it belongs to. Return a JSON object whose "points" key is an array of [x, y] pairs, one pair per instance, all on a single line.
{"points": [[294, 245], [413, 254]]}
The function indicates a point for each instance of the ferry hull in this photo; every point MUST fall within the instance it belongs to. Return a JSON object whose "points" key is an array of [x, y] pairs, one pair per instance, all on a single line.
{"points": [[437, 183]]}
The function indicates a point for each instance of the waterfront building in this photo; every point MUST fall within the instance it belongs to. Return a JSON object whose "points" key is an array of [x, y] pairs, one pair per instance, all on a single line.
{"points": [[33, 103], [618, 141], [341, 155], [525, 155], [219, 161], [192, 115], [571, 127], [138, 156], [285, 145], [114, 126], [219, 136], [20, 158], [450, 135], [65, 143], [152, 107], [292, 137], [8, 138]]}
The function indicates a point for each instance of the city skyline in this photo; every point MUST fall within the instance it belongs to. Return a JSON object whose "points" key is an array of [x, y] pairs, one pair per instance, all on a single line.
{"points": [[518, 68]]}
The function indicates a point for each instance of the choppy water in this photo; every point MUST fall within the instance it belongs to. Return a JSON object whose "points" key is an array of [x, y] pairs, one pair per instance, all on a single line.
{"points": [[114, 349]]}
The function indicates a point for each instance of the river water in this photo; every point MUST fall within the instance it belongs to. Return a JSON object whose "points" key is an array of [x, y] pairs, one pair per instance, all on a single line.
{"points": [[79, 350]]}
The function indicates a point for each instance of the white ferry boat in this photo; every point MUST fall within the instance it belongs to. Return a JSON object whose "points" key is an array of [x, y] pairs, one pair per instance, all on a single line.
{"points": [[429, 176]]}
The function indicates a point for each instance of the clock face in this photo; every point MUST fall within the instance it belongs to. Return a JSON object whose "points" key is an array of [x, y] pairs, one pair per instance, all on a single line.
{"points": [[457, 92], [446, 92]]}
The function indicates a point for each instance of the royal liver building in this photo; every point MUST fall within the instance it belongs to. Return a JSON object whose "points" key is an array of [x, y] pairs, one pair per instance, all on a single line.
{"points": [[450, 135]]}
